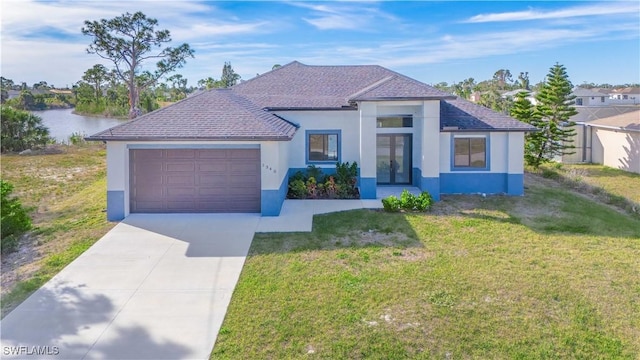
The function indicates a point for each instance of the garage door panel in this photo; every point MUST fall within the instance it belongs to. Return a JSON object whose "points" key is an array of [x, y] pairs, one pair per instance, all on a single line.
{"points": [[188, 179], [215, 154], [195, 180], [180, 154], [180, 166], [215, 167], [213, 180], [153, 154]]}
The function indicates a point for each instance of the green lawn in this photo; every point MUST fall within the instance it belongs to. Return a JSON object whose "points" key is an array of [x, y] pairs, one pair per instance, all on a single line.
{"points": [[549, 275], [615, 181], [607, 185]]}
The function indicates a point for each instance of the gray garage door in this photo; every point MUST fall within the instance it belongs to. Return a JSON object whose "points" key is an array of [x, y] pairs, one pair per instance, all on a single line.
{"points": [[194, 180]]}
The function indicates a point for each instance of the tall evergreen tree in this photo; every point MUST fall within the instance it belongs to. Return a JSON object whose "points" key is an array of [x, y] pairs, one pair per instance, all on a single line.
{"points": [[523, 110], [229, 76], [554, 108]]}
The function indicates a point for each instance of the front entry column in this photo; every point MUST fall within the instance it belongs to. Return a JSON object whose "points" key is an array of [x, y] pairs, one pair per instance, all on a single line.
{"points": [[368, 113]]}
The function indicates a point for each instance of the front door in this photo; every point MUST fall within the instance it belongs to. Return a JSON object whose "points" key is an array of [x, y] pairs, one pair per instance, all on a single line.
{"points": [[393, 159]]}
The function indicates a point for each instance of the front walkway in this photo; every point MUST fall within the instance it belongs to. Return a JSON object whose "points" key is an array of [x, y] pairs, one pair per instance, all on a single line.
{"points": [[297, 215]]}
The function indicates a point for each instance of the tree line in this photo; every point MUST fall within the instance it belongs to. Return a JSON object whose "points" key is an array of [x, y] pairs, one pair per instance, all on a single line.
{"points": [[128, 88]]}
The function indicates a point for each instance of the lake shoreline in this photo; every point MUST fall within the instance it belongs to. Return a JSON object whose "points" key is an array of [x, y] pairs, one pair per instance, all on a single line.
{"points": [[64, 123]]}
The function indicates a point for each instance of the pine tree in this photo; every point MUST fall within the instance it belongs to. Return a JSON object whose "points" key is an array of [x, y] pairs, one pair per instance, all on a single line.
{"points": [[524, 111], [229, 77], [553, 110]]}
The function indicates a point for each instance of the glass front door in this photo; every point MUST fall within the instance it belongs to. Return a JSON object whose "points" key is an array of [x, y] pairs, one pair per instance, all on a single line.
{"points": [[393, 158]]}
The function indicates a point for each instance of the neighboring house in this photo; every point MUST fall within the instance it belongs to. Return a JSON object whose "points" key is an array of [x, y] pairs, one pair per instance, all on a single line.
{"points": [[233, 150], [629, 95], [612, 141], [587, 97], [531, 96]]}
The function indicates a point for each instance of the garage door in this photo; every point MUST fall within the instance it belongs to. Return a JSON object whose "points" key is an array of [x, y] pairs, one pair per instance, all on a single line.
{"points": [[194, 180]]}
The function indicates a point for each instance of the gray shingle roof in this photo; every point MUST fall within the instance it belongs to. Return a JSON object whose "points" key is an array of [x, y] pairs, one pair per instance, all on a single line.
{"points": [[217, 114], [467, 116], [299, 86], [578, 91], [242, 112]]}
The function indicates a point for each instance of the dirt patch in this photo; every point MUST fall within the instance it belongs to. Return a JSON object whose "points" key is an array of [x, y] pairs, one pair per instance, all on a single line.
{"points": [[23, 263]]}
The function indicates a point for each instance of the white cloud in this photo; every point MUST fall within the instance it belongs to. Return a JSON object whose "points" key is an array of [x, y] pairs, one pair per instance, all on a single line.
{"points": [[344, 15], [608, 8]]}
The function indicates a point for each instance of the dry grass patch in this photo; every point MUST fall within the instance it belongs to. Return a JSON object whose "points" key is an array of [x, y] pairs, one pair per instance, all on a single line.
{"points": [[66, 190]]}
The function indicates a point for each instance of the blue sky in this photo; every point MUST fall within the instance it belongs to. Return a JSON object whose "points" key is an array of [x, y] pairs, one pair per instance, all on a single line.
{"points": [[429, 41]]}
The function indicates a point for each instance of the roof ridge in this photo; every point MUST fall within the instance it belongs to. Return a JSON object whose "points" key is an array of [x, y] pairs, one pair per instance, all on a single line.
{"points": [[294, 62], [255, 109], [370, 87]]}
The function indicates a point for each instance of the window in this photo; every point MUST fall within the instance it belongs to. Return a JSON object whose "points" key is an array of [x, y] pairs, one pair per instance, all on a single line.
{"points": [[470, 152], [579, 101], [398, 121], [601, 98], [323, 146]]}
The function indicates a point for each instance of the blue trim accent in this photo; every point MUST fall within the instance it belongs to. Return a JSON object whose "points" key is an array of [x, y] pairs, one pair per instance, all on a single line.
{"points": [[322, 132], [487, 183], [115, 205], [192, 146], [432, 185], [271, 200], [515, 184], [487, 154], [368, 188], [416, 176]]}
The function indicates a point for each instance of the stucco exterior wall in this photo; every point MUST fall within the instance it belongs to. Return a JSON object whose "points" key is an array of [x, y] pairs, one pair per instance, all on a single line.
{"points": [[505, 165], [345, 121], [616, 148], [579, 155]]}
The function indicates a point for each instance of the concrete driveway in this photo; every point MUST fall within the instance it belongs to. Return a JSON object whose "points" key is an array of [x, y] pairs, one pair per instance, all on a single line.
{"points": [[154, 287]]}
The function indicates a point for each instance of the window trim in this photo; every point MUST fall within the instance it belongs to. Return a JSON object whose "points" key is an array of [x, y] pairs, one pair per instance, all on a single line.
{"points": [[487, 152], [337, 132]]}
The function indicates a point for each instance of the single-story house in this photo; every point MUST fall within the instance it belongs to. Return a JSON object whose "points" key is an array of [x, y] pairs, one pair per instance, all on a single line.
{"points": [[612, 141], [233, 150]]}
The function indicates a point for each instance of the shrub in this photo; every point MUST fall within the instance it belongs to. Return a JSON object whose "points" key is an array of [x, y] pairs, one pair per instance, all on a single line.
{"points": [[21, 130], [391, 204], [77, 138], [15, 220], [297, 189], [314, 184], [408, 202]]}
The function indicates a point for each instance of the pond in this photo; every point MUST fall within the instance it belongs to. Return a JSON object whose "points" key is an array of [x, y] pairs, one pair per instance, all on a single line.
{"points": [[62, 123]]}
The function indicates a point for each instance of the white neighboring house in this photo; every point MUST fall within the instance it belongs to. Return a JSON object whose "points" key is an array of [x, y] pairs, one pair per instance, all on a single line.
{"points": [[630, 95], [588, 97], [531, 95], [612, 141]]}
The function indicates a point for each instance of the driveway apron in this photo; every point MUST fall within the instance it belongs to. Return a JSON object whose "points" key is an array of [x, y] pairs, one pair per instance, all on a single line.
{"points": [[154, 287]]}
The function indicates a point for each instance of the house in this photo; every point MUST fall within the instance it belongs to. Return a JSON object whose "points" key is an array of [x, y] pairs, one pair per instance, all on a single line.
{"points": [[612, 141], [628, 95], [531, 96], [587, 97], [233, 150]]}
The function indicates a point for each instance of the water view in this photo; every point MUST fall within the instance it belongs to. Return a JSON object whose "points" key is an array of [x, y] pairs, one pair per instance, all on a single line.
{"points": [[62, 123]]}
